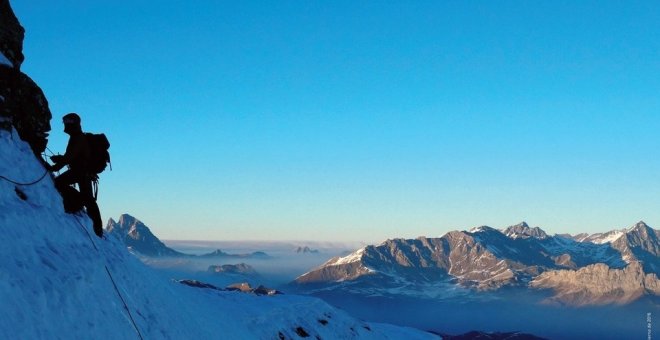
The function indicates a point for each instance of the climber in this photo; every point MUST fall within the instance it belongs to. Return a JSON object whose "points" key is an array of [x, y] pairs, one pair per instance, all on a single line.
{"points": [[77, 157]]}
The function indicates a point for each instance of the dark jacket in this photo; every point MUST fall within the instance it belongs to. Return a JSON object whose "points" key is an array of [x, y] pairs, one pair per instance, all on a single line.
{"points": [[76, 155]]}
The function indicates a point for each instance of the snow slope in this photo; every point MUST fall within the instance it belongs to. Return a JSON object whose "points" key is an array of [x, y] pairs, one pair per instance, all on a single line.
{"points": [[56, 281]]}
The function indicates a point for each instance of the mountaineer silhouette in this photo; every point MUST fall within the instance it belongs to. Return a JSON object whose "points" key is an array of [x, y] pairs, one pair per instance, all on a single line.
{"points": [[86, 155]]}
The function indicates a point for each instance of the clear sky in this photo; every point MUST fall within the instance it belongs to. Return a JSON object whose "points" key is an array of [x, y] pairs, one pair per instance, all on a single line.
{"points": [[359, 120]]}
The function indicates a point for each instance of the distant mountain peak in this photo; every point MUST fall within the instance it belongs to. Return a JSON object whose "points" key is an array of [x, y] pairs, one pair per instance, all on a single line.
{"points": [[522, 230], [640, 225], [306, 250], [217, 252], [483, 228], [126, 219], [522, 224], [240, 268], [138, 237]]}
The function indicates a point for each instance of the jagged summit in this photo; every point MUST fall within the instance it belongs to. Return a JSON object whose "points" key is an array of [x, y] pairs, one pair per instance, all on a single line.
{"points": [[127, 222], [306, 250], [138, 237], [126, 219], [522, 230]]}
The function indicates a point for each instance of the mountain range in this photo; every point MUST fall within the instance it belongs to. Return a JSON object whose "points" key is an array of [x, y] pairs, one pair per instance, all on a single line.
{"points": [[619, 266], [139, 238], [306, 250]]}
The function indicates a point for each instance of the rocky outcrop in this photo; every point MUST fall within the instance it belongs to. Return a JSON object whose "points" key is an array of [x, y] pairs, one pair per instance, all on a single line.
{"points": [[245, 287], [242, 287], [11, 35], [22, 103], [598, 284], [240, 268]]}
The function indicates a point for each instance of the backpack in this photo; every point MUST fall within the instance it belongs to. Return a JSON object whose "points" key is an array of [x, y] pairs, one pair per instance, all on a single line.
{"points": [[99, 157]]}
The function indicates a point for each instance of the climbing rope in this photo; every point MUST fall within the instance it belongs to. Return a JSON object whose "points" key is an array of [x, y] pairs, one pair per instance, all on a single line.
{"points": [[31, 183], [87, 233], [137, 330], [124, 302]]}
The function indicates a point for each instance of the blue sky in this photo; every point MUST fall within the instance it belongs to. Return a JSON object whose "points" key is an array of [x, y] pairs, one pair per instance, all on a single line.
{"points": [[347, 121]]}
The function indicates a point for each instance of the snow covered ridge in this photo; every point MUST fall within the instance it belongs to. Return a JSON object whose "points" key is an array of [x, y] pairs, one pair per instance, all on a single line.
{"points": [[354, 257], [57, 281], [523, 231]]}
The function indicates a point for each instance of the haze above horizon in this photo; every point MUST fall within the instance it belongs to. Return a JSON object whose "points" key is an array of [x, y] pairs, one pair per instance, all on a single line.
{"points": [[348, 121]]}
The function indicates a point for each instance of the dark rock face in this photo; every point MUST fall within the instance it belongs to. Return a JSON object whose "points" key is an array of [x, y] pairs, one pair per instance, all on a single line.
{"points": [[26, 107], [22, 103], [242, 287], [198, 284], [11, 35]]}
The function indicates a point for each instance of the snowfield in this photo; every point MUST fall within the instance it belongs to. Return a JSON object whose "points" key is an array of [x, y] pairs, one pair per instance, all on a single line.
{"points": [[56, 281]]}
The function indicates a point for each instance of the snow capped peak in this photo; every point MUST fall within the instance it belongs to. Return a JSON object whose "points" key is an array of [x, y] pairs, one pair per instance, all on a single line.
{"points": [[522, 230], [578, 237], [640, 229], [481, 229], [353, 257]]}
